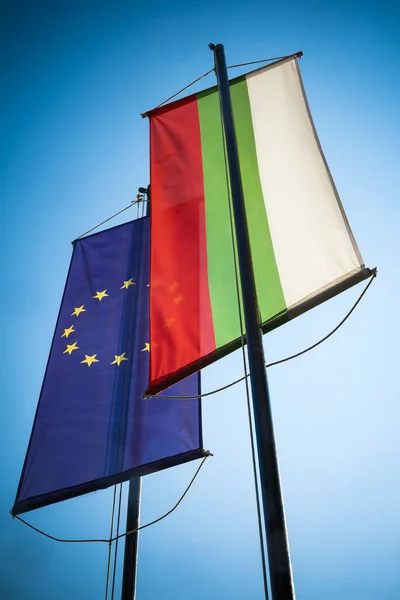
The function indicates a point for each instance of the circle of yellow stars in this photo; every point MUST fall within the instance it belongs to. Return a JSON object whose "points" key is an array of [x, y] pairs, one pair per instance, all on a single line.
{"points": [[91, 359]]}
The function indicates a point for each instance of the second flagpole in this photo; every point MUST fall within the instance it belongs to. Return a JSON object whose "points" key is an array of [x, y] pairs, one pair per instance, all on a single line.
{"points": [[129, 577]]}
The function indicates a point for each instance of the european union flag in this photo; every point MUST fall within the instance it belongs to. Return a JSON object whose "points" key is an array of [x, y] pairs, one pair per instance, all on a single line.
{"points": [[92, 428]]}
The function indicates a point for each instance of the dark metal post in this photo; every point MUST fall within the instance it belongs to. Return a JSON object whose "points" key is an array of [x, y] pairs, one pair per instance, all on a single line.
{"points": [[128, 591], [274, 518], [131, 541]]}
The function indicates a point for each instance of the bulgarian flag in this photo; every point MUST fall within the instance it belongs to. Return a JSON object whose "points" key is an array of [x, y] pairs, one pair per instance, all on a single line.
{"points": [[303, 250]]}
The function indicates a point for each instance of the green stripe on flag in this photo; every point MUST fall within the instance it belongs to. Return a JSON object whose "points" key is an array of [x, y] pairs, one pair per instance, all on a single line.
{"points": [[221, 273], [269, 289]]}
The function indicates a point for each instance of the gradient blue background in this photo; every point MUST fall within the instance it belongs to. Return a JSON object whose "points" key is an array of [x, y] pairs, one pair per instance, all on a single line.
{"points": [[74, 149]]}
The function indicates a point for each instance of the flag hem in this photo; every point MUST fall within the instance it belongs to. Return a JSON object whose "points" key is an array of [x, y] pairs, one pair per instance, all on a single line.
{"points": [[28, 504], [339, 286]]}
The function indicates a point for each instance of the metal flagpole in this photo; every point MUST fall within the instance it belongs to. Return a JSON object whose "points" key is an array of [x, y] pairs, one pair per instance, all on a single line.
{"points": [[128, 591], [131, 541], [280, 571]]}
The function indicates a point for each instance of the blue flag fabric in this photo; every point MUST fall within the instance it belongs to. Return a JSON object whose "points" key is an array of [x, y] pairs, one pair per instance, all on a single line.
{"points": [[92, 428]]}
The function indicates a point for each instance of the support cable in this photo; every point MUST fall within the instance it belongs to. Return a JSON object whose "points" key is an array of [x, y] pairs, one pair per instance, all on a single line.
{"points": [[133, 203], [245, 64], [109, 542], [116, 542], [282, 360], [172, 509], [257, 62], [207, 453], [180, 91]]}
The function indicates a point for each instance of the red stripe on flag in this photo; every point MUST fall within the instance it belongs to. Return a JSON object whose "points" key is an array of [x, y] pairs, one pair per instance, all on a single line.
{"points": [[181, 327]]}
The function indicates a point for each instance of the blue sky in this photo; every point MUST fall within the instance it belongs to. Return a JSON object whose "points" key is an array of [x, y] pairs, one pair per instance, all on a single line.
{"points": [[74, 149]]}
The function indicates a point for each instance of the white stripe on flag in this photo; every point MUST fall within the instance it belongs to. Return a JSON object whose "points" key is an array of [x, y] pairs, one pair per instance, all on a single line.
{"points": [[313, 245]]}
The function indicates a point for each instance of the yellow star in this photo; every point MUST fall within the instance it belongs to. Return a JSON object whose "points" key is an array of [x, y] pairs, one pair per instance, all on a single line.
{"points": [[118, 359], [77, 311], [100, 295], [146, 347], [90, 359], [178, 299], [127, 284], [169, 322], [173, 286], [68, 331], [71, 348]]}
